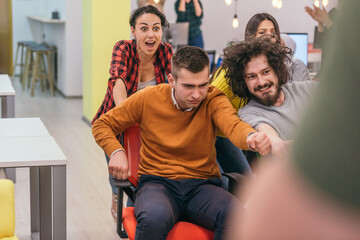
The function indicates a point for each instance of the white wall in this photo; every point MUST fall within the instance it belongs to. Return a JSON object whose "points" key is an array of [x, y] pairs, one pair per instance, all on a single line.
{"points": [[217, 21], [21, 25], [67, 37]]}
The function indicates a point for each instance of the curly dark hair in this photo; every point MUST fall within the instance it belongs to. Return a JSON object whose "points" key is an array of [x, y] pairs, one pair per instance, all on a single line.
{"points": [[237, 56], [193, 59], [147, 9]]}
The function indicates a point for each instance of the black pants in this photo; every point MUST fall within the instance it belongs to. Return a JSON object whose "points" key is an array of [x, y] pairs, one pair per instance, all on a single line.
{"points": [[161, 202]]}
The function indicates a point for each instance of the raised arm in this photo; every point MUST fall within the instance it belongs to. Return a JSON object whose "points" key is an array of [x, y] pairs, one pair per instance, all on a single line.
{"points": [[198, 9], [321, 16], [182, 6]]}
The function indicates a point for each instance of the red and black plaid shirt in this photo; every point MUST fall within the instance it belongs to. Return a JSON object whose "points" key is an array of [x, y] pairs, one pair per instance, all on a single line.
{"points": [[125, 65]]}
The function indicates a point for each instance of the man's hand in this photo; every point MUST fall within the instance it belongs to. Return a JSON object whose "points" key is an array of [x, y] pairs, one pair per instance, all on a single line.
{"points": [[118, 166], [260, 142]]}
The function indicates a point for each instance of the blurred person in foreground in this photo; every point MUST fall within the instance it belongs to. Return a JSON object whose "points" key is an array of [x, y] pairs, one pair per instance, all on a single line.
{"points": [[314, 193]]}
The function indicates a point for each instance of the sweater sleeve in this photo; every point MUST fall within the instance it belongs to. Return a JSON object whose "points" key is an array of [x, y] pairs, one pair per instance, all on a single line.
{"points": [[225, 118], [123, 116]]}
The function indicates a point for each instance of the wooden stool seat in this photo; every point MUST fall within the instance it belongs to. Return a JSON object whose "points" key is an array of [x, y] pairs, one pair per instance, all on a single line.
{"points": [[21, 45]]}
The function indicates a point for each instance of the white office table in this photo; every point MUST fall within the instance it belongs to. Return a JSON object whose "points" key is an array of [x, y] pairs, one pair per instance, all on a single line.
{"points": [[47, 165], [7, 95], [22, 127]]}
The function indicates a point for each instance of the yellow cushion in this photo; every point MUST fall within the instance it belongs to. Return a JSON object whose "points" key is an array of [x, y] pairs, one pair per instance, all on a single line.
{"points": [[10, 238], [7, 210]]}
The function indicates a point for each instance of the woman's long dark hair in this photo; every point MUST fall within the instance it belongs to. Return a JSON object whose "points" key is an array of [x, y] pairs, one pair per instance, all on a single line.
{"points": [[254, 22]]}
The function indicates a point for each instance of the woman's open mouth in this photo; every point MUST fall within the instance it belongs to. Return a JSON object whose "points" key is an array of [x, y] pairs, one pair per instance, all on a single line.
{"points": [[150, 45]]}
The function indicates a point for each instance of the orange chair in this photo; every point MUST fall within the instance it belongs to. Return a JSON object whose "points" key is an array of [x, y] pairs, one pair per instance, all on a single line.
{"points": [[180, 231]]}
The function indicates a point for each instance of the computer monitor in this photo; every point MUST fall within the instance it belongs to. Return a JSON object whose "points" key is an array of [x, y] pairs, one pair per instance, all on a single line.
{"points": [[301, 40], [178, 34]]}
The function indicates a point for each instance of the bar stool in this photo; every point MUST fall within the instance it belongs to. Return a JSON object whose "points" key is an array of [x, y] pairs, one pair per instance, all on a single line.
{"points": [[42, 52], [38, 65], [27, 69], [21, 45]]}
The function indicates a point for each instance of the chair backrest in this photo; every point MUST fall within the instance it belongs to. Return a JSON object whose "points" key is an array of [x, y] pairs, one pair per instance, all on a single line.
{"points": [[132, 146], [7, 209]]}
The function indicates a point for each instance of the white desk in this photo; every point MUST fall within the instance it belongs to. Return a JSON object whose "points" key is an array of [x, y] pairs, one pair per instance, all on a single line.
{"points": [[7, 95], [22, 127], [47, 166]]}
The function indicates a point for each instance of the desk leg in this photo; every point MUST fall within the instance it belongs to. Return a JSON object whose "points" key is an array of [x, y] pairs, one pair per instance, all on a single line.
{"points": [[34, 200], [8, 111], [8, 106], [48, 202], [59, 201], [46, 213]]}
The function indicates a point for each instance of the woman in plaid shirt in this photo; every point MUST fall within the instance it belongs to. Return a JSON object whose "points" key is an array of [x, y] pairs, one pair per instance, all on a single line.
{"points": [[137, 63]]}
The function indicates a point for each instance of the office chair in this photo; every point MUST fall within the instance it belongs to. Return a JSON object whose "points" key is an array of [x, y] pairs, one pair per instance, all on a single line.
{"points": [[126, 225], [7, 210]]}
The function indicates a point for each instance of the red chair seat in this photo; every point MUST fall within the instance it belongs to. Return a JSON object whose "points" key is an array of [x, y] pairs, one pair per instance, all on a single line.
{"points": [[181, 230]]}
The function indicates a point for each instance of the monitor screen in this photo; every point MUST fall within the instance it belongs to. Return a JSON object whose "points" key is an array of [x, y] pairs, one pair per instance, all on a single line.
{"points": [[301, 40], [177, 34]]}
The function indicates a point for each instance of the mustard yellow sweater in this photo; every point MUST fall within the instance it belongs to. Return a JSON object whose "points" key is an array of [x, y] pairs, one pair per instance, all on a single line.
{"points": [[175, 144]]}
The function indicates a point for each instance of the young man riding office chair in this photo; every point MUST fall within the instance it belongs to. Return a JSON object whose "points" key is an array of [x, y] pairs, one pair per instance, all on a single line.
{"points": [[179, 178]]}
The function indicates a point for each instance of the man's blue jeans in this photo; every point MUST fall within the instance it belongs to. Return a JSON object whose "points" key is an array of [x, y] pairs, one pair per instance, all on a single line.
{"points": [[161, 202], [230, 157]]}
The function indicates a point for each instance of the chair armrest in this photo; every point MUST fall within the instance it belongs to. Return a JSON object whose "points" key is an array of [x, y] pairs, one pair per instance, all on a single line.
{"points": [[235, 180], [123, 186], [121, 183]]}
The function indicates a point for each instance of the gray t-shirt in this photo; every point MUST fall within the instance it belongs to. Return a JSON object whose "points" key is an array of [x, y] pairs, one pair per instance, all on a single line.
{"points": [[283, 119], [298, 72]]}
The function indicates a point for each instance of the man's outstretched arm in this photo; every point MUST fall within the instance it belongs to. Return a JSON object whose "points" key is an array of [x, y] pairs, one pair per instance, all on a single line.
{"points": [[278, 146]]}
